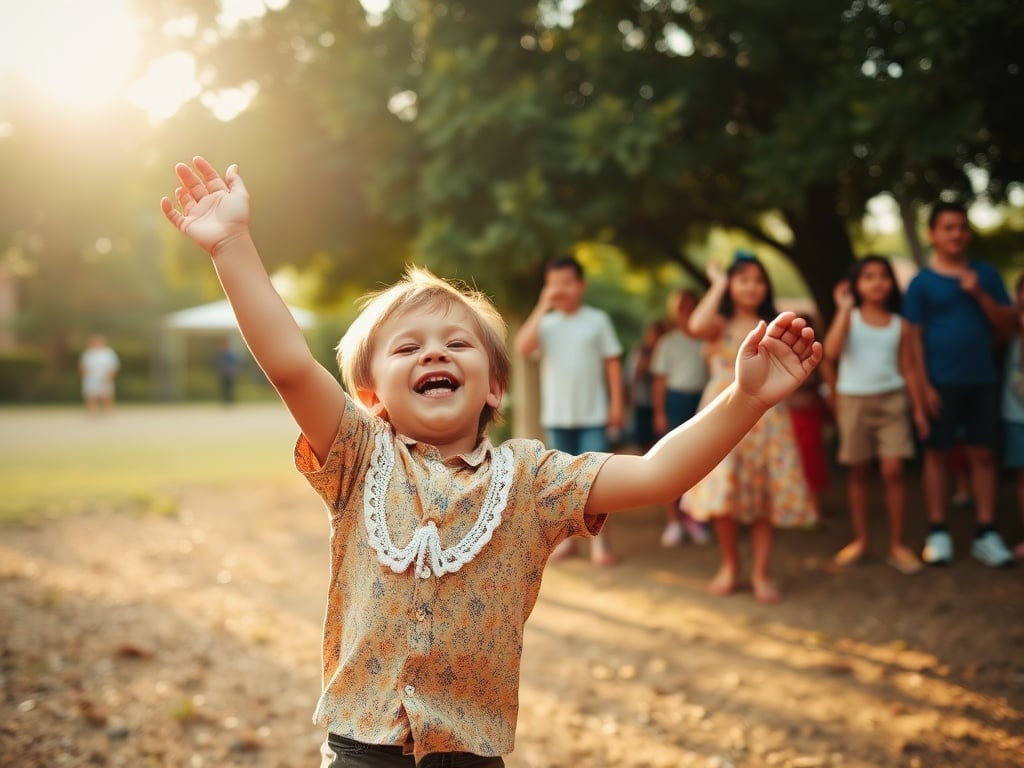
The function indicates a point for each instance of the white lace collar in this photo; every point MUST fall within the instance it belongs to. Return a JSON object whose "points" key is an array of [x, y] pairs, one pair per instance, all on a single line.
{"points": [[424, 548]]}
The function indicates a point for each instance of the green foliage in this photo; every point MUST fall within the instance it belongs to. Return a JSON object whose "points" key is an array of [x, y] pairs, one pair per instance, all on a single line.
{"points": [[481, 138], [20, 371]]}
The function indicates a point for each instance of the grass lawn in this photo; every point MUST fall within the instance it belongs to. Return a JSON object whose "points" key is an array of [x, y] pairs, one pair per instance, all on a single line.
{"points": [[59, 460]]}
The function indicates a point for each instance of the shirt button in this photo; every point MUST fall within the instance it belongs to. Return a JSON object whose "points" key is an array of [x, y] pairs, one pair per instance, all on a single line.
{"points": [[410, 690], [437, 466], [421, 615]]}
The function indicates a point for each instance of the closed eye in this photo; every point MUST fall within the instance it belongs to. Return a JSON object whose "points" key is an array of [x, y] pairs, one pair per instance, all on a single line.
{"points": [[405, 349]]}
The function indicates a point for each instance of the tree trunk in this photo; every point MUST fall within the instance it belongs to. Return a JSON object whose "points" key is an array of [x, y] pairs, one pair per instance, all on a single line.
{"points": [[908, 217], [822, 250], [524, 393]]}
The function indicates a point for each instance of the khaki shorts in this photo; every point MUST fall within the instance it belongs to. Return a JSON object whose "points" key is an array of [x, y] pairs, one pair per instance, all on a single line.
{"points": [[874, 426]]}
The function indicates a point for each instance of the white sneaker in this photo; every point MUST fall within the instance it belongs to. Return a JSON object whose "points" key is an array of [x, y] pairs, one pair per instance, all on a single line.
{"points": [[990, 550], [673, 534], [938, 548], [697, 530]]}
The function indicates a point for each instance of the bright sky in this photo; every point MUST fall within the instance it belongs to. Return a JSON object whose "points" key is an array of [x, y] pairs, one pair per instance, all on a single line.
{"points": [[81, 55]]}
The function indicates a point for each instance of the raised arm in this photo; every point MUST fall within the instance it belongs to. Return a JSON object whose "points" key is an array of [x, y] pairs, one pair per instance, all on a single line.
{"points": [[835, 337], [705, 322], [771, 364], [214, 214], [527, 339]]}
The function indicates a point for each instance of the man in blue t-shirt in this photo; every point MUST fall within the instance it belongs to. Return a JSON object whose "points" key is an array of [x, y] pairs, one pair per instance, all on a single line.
{"points": [[958, 308]]}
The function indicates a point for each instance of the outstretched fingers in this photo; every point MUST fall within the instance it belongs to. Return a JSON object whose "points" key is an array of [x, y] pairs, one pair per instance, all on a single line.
{"points": [[752, 343], [171, 213], [198, 185]]}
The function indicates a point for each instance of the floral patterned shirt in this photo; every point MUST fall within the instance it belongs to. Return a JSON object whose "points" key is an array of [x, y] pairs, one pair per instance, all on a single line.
{"points": [[411, 657]]}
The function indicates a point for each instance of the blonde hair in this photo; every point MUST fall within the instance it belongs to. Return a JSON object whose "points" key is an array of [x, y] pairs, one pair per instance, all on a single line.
{"points": [[421, 289]]}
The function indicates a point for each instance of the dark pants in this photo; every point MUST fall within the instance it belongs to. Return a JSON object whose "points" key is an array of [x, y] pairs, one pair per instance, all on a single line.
{"points": [[339, 752]]}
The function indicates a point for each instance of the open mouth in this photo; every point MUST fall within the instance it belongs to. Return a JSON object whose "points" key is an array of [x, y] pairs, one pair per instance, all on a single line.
{"points": [[436, 384]]}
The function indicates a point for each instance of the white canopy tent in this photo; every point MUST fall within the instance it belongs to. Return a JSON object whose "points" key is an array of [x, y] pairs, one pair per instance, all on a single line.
{"points": [[214, 319]]}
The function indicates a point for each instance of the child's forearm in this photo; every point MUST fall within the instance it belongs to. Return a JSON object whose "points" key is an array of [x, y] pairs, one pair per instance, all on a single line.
{"points": [[528, 338], [704, 316], [269, 330], [678, 460], [613, 376], [835, 338]]}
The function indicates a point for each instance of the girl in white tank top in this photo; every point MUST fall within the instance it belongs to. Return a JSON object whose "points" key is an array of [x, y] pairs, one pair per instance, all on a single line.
{"points": [[870, 342]]}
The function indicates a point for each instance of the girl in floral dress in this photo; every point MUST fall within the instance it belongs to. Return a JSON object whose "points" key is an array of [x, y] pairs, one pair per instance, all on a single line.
{"points": [[761, 482]]}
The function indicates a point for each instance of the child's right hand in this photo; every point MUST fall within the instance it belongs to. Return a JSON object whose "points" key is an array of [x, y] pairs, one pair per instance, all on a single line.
{"points": [[214, 210], [842, 295], [716, 275]]}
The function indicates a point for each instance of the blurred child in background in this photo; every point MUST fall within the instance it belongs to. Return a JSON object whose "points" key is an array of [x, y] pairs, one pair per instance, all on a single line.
{"points": [[875, 388], [679, 376], [760, 483], [641, 385], [1013, 412]]}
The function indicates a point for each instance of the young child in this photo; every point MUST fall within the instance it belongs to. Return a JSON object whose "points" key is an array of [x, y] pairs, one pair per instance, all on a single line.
{"points": [[580, 375], [761, 482], [680, 375], [1013, 411], [875, 388], [641, 384], [439, 538], [958, 310], [98, 366]]}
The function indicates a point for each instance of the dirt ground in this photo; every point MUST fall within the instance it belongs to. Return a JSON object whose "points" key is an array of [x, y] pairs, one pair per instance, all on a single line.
{"points": [[193, 640]]}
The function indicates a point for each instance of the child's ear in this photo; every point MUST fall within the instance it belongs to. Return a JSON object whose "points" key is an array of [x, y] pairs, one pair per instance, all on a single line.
{"points": [[494, 395], [371, 402]]}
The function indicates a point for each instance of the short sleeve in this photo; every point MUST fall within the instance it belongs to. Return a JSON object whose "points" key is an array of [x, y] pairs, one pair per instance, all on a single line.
{"points": [[610, 346], [659, 365], [345, 466], [913, 310], [560, 486]]}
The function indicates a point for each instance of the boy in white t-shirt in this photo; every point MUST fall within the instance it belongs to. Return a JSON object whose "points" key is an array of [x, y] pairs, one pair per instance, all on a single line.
{"points": [[580, 373], [98, 366]]}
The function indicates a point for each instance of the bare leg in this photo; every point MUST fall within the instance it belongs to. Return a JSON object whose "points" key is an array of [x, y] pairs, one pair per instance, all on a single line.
{"points": [[895, 499], [983, 482], [764, 588], [601, 550], [936, 485], [857, 492], [727, 533]]}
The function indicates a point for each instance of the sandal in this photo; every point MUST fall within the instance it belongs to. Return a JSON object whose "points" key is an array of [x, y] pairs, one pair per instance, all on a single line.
{"points": [[723, 583], [765, 591], [904, 561], [851, 554]]}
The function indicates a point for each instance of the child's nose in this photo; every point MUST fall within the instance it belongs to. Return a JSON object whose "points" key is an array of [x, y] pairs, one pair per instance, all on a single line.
{"points": [[432, 353]]}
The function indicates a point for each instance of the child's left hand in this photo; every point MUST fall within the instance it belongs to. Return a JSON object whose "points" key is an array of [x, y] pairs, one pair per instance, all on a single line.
{"points": [[776, 358]]}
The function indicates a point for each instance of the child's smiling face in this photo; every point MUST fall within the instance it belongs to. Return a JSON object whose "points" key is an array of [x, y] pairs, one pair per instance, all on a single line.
{"points": [[950, 234], [432, 377], [874, 284], [748, 287]]}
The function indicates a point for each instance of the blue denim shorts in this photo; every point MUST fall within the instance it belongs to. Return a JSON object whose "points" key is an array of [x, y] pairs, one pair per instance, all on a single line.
{"points": [[970, 412]]}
